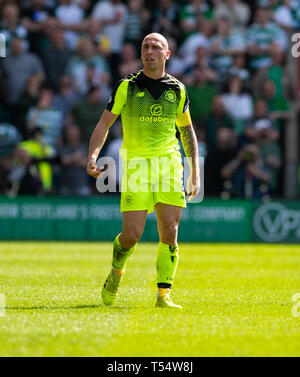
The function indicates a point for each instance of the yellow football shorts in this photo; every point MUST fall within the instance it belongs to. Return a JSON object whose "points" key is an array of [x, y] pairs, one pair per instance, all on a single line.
{"points": [[146, 182]]}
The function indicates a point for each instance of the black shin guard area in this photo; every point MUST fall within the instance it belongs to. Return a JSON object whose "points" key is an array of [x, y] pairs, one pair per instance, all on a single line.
{"points": [[164, 285]]}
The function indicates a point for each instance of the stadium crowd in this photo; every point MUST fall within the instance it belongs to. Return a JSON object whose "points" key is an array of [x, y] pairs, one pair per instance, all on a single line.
{"points": [[63, 58]]}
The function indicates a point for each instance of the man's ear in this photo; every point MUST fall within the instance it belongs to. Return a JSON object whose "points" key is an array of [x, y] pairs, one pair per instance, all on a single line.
{"points": [[168, 55]]}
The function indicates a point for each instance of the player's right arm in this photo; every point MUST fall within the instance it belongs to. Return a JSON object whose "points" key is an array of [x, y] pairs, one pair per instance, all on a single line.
{"points": [[97, 141], [113, 110]]}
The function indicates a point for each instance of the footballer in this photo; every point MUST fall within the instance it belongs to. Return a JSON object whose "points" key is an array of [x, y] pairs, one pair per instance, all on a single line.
{"points": [[151, 104]]}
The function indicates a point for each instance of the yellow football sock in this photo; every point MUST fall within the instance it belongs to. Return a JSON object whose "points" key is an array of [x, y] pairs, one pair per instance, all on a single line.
{"points": [[163, 291]]}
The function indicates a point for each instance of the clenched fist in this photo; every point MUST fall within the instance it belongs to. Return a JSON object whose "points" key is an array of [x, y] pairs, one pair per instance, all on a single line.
{"points": [[92, 169]]}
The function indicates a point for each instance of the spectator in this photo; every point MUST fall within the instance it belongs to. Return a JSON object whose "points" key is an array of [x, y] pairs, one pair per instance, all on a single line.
{"points": [[84, 4], [237, 103], [261, 116], [71, 17], [9, 137], [224, 44], [217, 118], [269, 151], [250, 176], [203, 61], [284, 16], [165, 19], [193, 15], [94, 80], [47, 118], [84, 59], [67, 97], [11, 26], [56, 57], [263, 35], [23, 176], [112, 16], [175, 66], [218, 156], [129, 62], [74, 157], [41, 155], [36, 18], [237, 12], [279, 108], [296, 13], [275, 72], [239, 69], [28, 99], [188, 50], [17, 68], [86, 114], [137, 21], [201, 94]]}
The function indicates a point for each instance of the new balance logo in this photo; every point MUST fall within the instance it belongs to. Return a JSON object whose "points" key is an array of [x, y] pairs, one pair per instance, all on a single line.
{"points": [[140, 94]]}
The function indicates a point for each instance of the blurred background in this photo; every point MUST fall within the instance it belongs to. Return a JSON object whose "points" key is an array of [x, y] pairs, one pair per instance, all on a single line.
{"points": [[63, 58]]}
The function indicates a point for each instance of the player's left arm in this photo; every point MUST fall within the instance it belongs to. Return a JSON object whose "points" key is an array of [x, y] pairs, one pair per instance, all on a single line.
{"points": [[190, 147]]}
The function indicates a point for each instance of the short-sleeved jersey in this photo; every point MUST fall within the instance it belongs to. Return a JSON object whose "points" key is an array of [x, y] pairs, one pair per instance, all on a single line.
{"points": [[149, 112]]}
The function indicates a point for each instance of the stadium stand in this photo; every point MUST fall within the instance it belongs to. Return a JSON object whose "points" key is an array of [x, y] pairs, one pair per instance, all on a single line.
{"points": [[64, 57]]}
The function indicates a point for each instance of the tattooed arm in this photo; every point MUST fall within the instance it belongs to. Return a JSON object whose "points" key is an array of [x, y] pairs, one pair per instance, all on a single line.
{"points": [[97, 141], [190, 147]]}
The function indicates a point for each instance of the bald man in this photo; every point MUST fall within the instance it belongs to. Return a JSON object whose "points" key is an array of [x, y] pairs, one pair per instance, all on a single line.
{"points": [[151, 104]]}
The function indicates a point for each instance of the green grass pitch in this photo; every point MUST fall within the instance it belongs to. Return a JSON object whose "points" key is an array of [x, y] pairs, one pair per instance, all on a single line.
{"points": [[237, 301]]}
